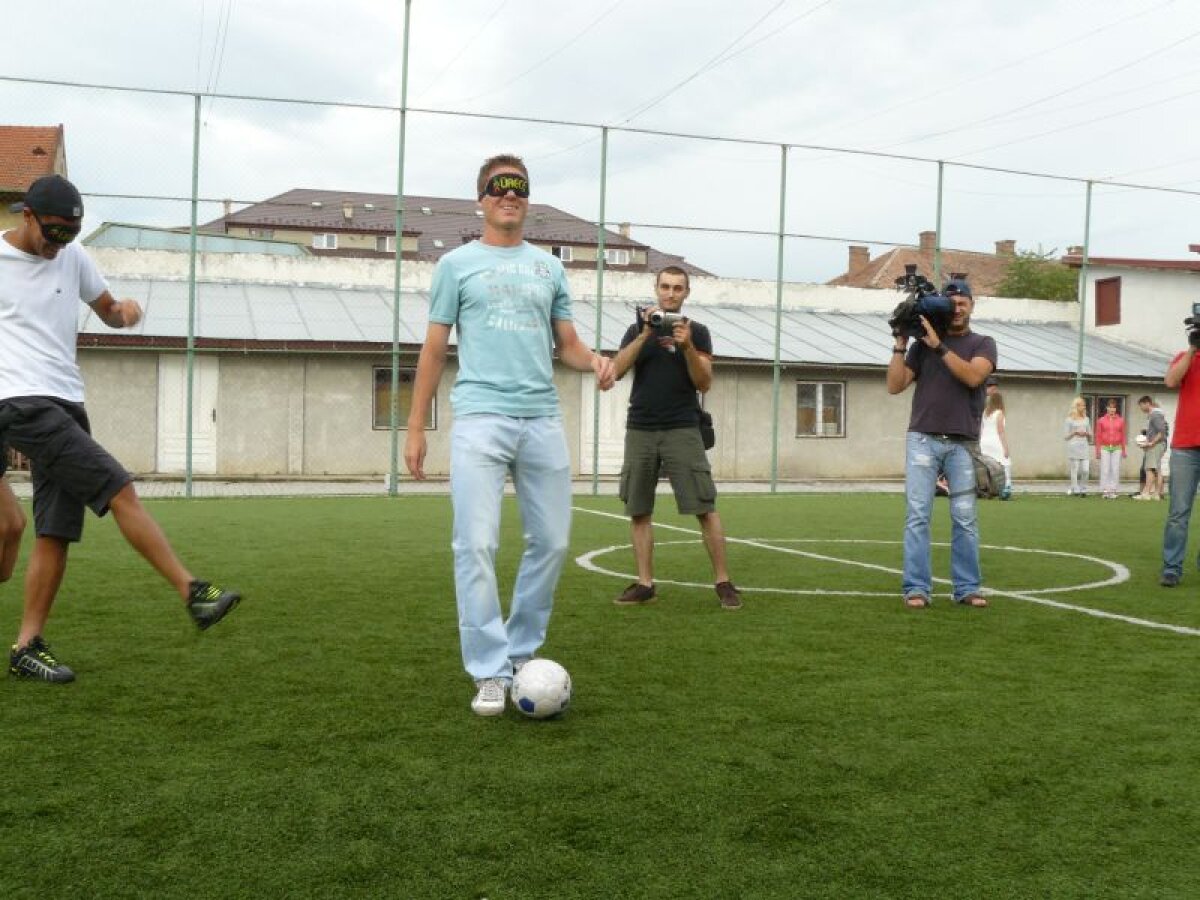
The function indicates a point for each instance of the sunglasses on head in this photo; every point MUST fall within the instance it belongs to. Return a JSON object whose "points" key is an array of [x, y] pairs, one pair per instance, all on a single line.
{"points": [[58, 232], [499, 185]]}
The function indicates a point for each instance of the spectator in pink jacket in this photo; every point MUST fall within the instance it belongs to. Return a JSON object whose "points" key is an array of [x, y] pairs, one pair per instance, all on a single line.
{"points": [[1110, 450]]}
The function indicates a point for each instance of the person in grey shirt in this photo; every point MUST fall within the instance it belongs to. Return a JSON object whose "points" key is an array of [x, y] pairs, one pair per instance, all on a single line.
{"points": [[1155, 446], [949, 371]]}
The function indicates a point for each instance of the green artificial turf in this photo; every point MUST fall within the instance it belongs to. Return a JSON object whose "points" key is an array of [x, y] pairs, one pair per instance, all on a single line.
{"points": [[319, 742]]}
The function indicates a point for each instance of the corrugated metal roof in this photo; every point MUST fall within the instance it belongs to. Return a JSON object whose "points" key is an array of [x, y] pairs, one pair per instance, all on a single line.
{"points": [[139, 237], [299, 313]]}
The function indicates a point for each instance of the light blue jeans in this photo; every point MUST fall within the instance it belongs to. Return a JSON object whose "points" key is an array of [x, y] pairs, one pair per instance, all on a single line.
{"points": [[484, 449], [1185, 477], [926, 457]]}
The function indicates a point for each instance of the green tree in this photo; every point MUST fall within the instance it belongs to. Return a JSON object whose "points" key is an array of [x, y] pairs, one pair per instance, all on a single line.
{"points": [[1037, 275]]}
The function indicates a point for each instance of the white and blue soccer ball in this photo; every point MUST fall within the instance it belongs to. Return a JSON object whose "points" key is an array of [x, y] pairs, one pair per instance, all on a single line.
{"points": [[542, 688]]}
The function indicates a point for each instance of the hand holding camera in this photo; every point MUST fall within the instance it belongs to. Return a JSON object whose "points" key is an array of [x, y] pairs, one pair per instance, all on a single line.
{"points": [[668, 327]]}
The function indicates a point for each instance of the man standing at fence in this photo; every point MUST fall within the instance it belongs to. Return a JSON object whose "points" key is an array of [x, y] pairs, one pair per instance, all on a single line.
{"points": [[44, 276], [509, 301], [950, 370], [1185, 463], [671, 363]]}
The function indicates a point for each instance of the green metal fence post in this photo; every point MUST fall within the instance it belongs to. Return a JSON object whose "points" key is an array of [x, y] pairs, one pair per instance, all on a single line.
{"points": [[599, 307], [775, 368], [394, 404], [191, 327], [937, 234], [1082, 288]]}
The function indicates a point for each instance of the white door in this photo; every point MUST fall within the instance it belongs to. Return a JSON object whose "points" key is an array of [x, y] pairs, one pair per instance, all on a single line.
{"points": [[614, 406], [172, 413]]}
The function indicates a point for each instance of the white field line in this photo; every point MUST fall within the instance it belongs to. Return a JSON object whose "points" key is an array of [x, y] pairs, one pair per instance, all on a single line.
{"points": [[1121, 574]]}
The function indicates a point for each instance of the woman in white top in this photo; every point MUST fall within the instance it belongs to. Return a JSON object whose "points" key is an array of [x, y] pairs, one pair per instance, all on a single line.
{"points": [[1077, 431], [993, 441]]}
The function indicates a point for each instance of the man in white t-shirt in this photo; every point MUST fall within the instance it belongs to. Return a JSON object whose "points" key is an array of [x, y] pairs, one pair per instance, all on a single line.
{"points": [[43, 278]]}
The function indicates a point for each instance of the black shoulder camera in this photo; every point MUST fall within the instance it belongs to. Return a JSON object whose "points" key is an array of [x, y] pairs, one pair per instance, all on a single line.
{"points": [[921, 299], [1193, 324]]}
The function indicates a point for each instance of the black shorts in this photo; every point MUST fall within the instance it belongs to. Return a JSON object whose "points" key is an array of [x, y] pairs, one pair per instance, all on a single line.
{"points": [[68, 468]]}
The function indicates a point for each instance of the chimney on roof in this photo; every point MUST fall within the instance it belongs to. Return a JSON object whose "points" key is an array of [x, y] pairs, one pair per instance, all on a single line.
{"points": [[859, 257], [227, 206], [347, 210], [928, 239], [1006, 248], [624, 229]]}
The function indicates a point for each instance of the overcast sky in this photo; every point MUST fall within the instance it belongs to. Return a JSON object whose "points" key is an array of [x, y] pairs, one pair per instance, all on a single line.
{"points": [[1091, 89]]}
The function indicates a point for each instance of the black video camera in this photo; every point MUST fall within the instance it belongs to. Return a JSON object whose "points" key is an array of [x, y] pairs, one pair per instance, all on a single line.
{"points": [[922, 299], [1193, 324]]}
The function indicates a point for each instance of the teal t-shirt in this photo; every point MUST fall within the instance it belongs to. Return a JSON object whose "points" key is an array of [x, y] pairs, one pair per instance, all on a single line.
{"points": [[502, 300]]}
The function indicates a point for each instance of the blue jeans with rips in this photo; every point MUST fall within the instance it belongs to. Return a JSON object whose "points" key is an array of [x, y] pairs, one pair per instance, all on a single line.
{"points": [[1185, 477], [926, 456], [484, 450]]}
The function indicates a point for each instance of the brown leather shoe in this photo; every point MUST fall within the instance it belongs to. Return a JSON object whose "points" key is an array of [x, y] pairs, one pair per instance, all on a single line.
{"points": [[976, 600], [730, 597], [636, 594]]}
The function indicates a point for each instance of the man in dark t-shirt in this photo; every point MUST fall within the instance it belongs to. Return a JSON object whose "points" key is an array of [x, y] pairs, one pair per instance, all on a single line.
{"points": [[671, 362], [949, 371]]}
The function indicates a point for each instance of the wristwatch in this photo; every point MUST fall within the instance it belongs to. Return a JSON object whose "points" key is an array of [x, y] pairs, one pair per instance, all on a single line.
{"points": [[941, 349]]}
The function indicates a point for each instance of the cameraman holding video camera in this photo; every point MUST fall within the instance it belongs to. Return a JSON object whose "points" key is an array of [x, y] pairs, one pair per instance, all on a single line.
{"points": [[949, 363], [671, 358], [1185, 453]]}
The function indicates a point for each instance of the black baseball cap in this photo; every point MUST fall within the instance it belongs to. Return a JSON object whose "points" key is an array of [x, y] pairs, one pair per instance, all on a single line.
{"points": [[958, 286], [52, 195]]}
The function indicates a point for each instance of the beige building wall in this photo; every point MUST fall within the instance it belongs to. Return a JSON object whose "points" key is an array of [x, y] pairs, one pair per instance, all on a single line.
{"points": [[122, 404], [311, 415]]}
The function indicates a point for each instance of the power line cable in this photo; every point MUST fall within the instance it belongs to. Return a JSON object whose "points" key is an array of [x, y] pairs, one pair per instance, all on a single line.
{"points": [[721, 58], [770, 34], [1004, 114], [997, 69], [650, 104], [537, 65], [219, 54], [463, 49], [1113, 115]]}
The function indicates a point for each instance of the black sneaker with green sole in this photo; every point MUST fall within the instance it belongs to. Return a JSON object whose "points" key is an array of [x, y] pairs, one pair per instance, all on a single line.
{"points": [[35, 660], [209, 604]]}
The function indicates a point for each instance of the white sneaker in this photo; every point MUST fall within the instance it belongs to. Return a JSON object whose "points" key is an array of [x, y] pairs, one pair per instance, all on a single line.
{"points": [[489, 700]]}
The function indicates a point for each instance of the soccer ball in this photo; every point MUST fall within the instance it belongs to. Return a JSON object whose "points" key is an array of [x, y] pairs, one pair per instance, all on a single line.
{"points": [[541, 689]]}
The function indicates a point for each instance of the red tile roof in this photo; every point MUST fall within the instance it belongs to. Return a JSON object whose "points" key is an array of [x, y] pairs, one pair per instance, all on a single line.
{"points": [[440, 224], [984, 271], [27, 152]]}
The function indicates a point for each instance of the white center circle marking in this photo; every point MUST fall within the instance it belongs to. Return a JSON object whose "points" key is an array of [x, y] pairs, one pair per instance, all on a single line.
{"points": [[1119, 573]]}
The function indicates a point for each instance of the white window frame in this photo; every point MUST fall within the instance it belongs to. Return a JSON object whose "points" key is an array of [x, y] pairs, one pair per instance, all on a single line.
{"points": [[822, 429], [407, 377], [616, 256], [564, 253], [389, 243], [327, 241]]}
